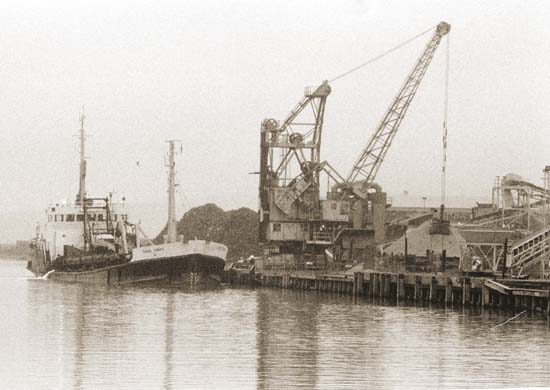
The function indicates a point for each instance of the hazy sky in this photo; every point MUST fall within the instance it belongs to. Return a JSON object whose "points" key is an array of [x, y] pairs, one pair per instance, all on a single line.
{"points": [[208, 72]]}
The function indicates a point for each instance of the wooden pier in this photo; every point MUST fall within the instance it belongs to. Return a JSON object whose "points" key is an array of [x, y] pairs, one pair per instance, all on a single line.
{"points": [[439, 288]]}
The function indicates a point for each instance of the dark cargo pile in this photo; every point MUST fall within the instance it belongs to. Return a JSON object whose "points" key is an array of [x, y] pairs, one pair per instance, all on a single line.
{"points": [[238, 229]]}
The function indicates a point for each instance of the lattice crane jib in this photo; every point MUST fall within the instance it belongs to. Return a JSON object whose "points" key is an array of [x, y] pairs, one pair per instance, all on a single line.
{"points": [[363, 173]]}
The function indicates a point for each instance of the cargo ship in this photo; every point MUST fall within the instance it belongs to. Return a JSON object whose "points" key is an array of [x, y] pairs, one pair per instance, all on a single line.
{"points": [[92, 241]]}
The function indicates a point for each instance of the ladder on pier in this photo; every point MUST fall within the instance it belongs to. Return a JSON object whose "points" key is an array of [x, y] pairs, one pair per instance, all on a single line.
{"points": [[529, 251]]}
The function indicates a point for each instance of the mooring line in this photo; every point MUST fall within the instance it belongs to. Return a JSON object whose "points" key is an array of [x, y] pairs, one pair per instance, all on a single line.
{"points": [[510, 319]]}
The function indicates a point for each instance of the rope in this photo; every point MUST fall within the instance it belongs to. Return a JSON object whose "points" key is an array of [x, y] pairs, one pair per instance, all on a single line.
{"points": [[374, 59], [510, 319]]}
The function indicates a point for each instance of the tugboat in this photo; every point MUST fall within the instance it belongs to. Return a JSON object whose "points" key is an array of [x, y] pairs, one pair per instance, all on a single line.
{"points": [[92, 241]]}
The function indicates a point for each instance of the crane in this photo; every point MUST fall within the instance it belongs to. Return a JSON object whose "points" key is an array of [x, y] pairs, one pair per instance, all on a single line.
{"points": [[293, 217], [294, 143]]}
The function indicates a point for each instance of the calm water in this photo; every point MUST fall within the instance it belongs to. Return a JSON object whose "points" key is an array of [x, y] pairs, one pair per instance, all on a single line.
{"points": [[80, 337]]}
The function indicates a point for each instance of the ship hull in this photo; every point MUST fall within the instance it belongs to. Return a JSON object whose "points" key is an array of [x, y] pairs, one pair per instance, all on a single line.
{"points": [[193, 264], [188, 271]]}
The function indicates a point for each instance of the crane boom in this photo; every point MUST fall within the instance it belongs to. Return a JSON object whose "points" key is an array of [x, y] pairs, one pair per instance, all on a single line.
{"points": [[367, 165]]}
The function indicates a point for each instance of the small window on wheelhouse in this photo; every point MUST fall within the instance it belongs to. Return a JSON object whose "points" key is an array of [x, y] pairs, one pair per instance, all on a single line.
{"points": [[101, 217], [58, 217], [80, 217], [69, 218]]}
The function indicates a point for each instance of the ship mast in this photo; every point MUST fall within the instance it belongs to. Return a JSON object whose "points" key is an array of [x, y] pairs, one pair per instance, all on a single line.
{"points": [[82, 182], [171, 229]]}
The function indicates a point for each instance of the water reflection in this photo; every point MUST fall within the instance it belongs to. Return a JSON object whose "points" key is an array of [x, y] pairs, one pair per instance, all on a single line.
{"points": [[77, 295], [286, 341], [85, 337]]}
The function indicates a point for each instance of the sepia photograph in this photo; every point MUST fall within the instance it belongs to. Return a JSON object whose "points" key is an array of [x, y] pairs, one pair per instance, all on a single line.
{"points": [[275, 195]]}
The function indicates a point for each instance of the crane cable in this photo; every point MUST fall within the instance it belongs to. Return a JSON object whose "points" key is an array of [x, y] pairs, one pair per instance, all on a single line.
{"points": [[374, 59], [444, 158], [445, 114]]}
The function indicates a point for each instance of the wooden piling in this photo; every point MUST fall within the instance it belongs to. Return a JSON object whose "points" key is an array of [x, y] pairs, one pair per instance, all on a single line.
{"points": [[433, 289], [485, 295], [370, 291], [387, 285], [400, 287], [466, 293], [357, 288], [449, 291], [531, 295], [417, 288], [375, 285]]}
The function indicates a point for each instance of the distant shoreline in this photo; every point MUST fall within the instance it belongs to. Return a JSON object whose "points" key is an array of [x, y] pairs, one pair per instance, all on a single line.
{"points": [[20, 251]]}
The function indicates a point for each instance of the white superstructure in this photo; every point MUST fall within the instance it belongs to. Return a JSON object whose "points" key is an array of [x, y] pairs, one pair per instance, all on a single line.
{"points": [[67, 224]]}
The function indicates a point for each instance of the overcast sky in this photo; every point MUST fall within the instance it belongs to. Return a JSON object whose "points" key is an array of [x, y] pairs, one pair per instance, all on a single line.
{"points": [[208, 72]]}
